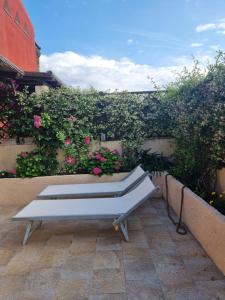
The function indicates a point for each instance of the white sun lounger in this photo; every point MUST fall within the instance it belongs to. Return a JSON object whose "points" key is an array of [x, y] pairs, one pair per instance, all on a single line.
{"points": [[118, 209], [91, 190]]}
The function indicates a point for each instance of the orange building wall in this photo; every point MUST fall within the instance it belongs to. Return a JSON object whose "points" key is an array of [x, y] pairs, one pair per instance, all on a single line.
{"points": [[15, 44]]}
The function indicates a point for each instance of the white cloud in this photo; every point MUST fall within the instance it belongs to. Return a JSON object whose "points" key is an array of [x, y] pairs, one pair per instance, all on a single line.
{"points": [[130, 41], [109, 74], [220, 26], [221, 31], [214, 47], [205, 27], [196, 45]]}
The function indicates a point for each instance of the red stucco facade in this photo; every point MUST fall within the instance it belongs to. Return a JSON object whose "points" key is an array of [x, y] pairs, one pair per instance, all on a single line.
{"points": [[17, 41]]}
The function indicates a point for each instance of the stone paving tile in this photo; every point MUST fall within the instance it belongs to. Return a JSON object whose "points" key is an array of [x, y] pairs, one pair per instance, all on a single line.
{"points": [[167, 259], [151, 219], [70, 289], [190, 248], [81, 248], [134, 244], [6, 255], [23, 261], [157, 232], [44, 279], [202, 268], [80, 268], [60, 241], [108, 281], [109, 243], [144, 290], [211, 290], [137, 236], [107, 260], [140, 269], [182, 292], [173, 275], [89, 260], [10, 285], [135, 223], [109, 297], [136, 253]]}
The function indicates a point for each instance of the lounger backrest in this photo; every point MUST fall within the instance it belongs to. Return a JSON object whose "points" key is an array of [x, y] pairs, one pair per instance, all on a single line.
{"points": [[138, 195], [132, 179]]}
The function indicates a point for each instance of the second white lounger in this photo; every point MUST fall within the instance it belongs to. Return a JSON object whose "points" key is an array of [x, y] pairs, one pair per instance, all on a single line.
{"points": [[91, 190], [118, 209]]}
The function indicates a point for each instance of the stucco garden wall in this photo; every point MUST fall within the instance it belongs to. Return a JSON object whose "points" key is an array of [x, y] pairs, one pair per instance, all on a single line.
{"points": [[220, 182], [9, 149], [20, 191], [204, 222]]}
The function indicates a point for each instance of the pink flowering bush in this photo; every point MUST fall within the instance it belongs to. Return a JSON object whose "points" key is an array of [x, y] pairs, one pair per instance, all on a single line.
{"points": [[87, 140], [37, 121], [103, 161], [74, 140]]}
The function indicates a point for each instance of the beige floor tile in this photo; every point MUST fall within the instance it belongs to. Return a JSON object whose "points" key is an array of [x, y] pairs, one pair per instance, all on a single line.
{"points": [[109, 281], [141, 290], [107, 260], [109, 243]]}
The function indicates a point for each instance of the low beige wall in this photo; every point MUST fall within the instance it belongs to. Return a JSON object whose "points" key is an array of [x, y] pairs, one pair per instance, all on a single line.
{"points": [[9, 150], [19, 191], [204, 222], [165, 146], [220, 181]]}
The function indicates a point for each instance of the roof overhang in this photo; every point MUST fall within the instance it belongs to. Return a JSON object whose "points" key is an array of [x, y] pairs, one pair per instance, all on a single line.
{"points": [[23, 78], [7, 67], [39, 78]]}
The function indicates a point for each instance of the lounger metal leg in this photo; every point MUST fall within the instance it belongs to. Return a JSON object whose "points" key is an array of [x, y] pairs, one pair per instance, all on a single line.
{"points": [[123, 227], [29, 231]]}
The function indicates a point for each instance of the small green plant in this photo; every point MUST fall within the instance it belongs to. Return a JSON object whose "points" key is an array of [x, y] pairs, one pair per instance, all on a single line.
{"points": [[154, 162], [218, 201], [34, 163], [8, 174]]}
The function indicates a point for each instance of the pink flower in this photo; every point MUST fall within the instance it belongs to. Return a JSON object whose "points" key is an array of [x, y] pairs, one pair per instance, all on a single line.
{"points": [[37, 121], [97, 171], [103, 159], [13, 171], [98, 156], [72, 119], [2, 86], [67, 142], [87, 140], [115, 152], [70, 160], [23, 154]]}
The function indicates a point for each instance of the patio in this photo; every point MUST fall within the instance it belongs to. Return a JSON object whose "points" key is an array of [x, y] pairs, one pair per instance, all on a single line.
{"points": [[89, 260]]}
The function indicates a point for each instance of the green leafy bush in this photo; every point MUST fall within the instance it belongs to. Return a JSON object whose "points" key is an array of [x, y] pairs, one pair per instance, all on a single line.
{"points": [[34, 163], [154, 162], [197, 107]]}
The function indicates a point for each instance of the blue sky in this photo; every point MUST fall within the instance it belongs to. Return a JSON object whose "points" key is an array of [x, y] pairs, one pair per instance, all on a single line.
{"points": [[111, 44]]}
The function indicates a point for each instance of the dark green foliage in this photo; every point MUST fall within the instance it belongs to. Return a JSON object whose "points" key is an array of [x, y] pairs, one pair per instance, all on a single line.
{"points": [[197, 106], [34, 164], [154, 162]]}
